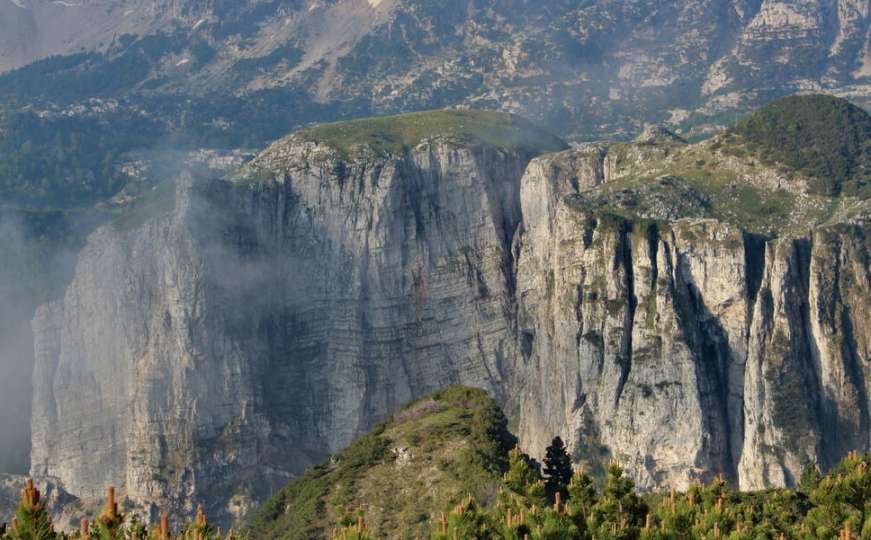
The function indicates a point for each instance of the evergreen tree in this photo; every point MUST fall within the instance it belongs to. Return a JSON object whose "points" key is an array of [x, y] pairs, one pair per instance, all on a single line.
{"points": [[619, 513], [32, 521], [810, 478], [557, 468], [582, 497], [523, 481], [109, 524], [468, 521]]}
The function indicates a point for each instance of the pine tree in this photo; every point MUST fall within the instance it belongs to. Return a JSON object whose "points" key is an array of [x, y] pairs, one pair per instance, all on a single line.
{"points": [[810, 478], [109, 524], [619, 513], [467, 521], [557, 468], [32, 521], [358, 531], [582, 497], [522, 480]]}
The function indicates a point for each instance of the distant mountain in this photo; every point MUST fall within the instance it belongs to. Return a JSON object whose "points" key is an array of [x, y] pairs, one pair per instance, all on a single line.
{"points": [[585, 69]]}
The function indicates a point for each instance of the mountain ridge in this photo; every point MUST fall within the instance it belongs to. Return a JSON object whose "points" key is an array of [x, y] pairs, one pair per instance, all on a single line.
{"points": [[622, 297], [687, 64]]}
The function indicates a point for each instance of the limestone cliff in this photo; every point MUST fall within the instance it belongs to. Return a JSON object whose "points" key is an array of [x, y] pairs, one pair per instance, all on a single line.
{"points": [[665, 304], [254, 326], [691, 348]]}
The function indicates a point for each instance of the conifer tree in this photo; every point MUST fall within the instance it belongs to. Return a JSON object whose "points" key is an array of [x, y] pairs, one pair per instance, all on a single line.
{"points": [[619, 513], [810, 478], [523, 481], [582, 497], [32, 521], [557, 468], [468, 521], [109, 524], [357, 531]]}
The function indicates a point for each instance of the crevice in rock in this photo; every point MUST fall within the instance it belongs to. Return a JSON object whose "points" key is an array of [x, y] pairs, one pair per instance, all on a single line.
{"points": [[653, 251], [754, 266], [803, 344], [705, 334], [625, 359]]}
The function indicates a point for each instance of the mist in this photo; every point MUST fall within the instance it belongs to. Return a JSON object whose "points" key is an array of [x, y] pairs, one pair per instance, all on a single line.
{"points": [[17, 304], [37, 254]]}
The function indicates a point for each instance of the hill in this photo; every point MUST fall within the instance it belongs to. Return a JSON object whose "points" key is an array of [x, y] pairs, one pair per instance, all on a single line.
{"points": [[431, 454], [394, 134], [446, 485], [826, 138]]}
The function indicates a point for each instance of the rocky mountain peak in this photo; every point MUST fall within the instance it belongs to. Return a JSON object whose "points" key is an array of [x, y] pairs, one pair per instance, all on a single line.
{"points": [[655, 133]]}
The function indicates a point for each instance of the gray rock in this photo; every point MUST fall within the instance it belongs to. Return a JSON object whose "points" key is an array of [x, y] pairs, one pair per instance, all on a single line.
{"points": [[258, 324], [258, 327]]}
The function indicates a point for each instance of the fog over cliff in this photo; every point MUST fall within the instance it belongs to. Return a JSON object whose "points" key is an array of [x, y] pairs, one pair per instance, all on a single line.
{"points": [[17, 303], [685, 310], [241, 329]]}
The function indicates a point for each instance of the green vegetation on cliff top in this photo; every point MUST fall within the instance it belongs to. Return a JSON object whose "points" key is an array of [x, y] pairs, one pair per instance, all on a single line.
{"points": [[796, 164], [823, 137], [397, 134]]}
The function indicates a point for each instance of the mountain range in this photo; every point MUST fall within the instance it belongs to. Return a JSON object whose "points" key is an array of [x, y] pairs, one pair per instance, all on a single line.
{"points": [[688, 310], [230, 248], [583, 69]]}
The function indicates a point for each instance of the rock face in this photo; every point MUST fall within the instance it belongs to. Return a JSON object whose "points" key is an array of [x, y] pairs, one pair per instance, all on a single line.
{"points": [[691, 348], [247, 327], [258, 327]]}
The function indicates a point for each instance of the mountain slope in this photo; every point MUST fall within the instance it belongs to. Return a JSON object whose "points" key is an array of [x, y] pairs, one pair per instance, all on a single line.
{"points": [[591, 70], [828, 140], [430, 454]]}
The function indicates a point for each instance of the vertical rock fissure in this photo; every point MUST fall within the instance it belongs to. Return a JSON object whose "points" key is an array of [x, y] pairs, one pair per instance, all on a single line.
{"points": [[653, 253], [805, 347], [754, 267], [625, 359], [709, 343], [512, 226]]}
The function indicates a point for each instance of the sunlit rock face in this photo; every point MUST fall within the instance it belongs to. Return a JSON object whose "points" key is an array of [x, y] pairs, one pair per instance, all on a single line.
{"points": [[254, 328], [233, 332]]}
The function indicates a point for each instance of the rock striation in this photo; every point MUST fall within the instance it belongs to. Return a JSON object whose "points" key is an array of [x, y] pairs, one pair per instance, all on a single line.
{"points": [[691, 348], [256, 326], [611, 294]]}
